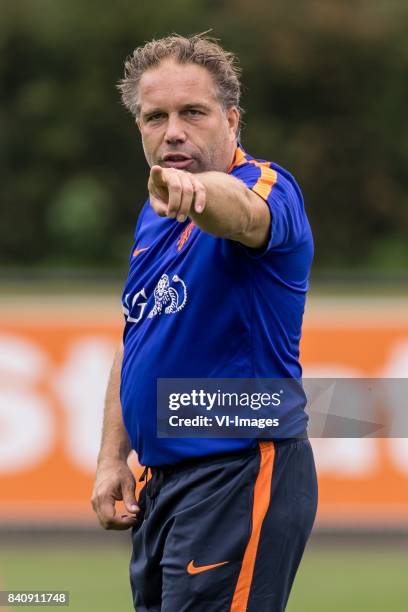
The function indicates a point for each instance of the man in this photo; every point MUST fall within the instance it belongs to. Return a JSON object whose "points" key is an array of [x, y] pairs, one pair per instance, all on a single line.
{"points": [[216, 288]]}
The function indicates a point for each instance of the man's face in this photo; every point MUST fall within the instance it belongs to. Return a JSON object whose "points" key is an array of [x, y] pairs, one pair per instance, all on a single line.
{"points": [[181, 120]]}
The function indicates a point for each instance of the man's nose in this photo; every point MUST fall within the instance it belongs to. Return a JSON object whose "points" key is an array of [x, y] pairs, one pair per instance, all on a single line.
{"points": [[174, 130]]}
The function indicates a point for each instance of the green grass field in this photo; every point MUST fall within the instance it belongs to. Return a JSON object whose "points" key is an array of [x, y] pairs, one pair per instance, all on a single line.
{"points": [[330, 580]]}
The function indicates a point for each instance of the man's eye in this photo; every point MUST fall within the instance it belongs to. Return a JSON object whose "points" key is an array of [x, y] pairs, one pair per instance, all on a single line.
{"points": [[155, 117], [193, 112]]}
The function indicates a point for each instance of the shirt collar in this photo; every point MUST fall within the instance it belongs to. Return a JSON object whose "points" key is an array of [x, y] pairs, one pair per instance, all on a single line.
{"points": [[240, 157]]}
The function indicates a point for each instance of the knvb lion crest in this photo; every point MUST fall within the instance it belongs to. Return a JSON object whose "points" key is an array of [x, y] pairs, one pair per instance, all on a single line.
{"points": [[167, 298]]}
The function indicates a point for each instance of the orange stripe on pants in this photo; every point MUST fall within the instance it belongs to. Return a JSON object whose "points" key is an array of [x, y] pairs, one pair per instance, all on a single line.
{"points": [[262, 496]]}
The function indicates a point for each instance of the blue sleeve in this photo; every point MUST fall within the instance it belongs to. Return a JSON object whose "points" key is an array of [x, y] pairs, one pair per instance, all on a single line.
{"points": [[285, 203]]}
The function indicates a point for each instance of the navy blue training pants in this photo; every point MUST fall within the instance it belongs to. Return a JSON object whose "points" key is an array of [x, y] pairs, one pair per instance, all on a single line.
{"points": [[224, 534]]}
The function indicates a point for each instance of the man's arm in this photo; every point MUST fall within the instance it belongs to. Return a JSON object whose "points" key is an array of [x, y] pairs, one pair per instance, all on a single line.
{"points": [[114, 480], [217, 202]]}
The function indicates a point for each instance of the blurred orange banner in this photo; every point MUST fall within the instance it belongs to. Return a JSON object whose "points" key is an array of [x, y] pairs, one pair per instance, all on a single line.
{"points": [[54, 364]]}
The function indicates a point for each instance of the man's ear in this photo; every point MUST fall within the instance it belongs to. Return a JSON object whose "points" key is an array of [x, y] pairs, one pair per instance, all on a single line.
{"points": [[137, 121], [233, 116]]}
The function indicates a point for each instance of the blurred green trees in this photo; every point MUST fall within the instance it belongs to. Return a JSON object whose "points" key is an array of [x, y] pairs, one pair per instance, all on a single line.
{"points": [[325, 92]]}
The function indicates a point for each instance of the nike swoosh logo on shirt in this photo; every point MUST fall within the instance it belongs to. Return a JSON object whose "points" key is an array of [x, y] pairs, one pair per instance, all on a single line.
{"points": [[137, 251], [193, 569]]}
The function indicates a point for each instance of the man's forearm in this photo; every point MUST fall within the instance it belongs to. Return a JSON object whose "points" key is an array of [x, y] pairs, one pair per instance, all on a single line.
{"points": [[227, 212], [115, 443], [218, 203], [114, 480]]}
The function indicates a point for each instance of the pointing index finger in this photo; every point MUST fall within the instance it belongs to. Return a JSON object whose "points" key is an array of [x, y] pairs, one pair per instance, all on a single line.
{"points": [[157, 175]]}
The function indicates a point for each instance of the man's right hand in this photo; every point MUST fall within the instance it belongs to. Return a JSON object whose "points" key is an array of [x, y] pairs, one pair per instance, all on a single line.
{"points": [[114, 482]]}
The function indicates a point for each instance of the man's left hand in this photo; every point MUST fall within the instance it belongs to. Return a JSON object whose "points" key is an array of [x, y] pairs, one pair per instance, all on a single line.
{"points": [[175, 193]]}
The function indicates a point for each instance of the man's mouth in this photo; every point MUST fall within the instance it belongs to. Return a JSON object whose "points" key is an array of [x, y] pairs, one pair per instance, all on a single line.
{"points": [[177, 160]]}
